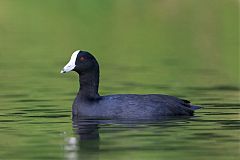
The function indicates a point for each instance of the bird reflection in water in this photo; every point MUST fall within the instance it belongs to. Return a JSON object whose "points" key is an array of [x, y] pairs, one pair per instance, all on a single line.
{"points": [[86, 143]]}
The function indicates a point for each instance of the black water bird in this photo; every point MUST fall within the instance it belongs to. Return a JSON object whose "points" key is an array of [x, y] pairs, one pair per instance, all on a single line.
{"points": [[88, 102]]}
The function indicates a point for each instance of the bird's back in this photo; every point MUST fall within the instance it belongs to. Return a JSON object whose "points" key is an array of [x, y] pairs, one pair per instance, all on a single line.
{"points": [[132, 106]]}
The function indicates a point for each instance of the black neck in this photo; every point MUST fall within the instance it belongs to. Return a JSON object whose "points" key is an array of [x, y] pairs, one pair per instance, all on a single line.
{"points": [[89, 85]]}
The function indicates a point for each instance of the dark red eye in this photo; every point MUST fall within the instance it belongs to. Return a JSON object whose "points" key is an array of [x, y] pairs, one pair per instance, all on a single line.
{"points": [[82, 58]]}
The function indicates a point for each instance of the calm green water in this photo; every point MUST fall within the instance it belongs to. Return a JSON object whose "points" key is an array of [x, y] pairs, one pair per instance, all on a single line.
{"points": [[185, 48]]}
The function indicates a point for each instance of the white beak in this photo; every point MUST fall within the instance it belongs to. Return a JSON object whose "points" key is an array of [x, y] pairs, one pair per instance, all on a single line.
{"points": [[69, 67], [71, 64]]}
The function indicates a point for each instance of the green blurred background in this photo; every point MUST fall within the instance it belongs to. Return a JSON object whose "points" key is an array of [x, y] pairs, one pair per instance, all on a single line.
{"points": [[182, 42]]}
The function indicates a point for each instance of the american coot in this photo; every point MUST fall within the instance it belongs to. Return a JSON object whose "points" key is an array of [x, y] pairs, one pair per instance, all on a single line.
{"points": [[88, 102]]}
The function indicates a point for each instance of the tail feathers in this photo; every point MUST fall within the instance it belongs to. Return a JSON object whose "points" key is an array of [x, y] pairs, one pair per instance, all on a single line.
{"points": [[195, 107]]}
